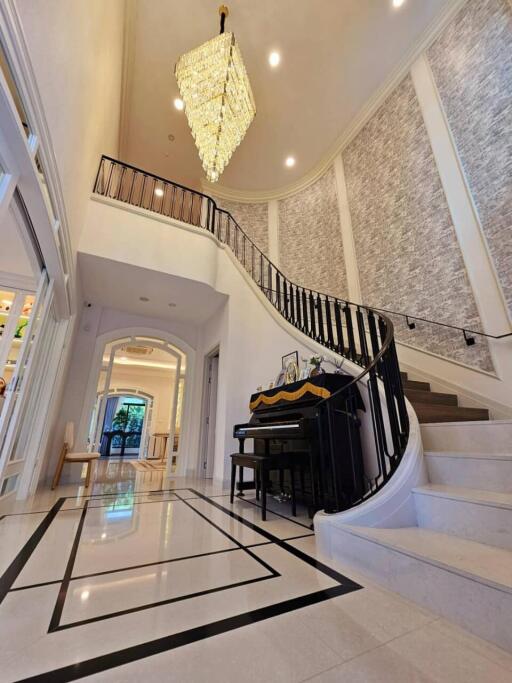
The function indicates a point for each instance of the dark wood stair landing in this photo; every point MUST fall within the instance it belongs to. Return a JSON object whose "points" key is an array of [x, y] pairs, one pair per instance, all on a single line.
{"points": [[431, 406]]}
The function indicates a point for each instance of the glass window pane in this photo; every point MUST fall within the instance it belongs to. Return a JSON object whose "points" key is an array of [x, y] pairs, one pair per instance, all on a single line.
{"points": [[19, 335]]}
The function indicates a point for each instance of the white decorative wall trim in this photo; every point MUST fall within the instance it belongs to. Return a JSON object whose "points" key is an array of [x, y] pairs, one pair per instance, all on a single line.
{"points": [[482, 276], [347, 236], [126, 78], [273, 232], [353, 129]]}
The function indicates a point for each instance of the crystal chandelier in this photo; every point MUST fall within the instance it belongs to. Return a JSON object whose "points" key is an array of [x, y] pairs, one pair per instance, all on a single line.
{"points": [[218, 99]]}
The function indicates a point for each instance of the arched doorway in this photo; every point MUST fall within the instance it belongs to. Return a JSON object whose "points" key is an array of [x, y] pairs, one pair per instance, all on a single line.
{"points": [[141, 366]]}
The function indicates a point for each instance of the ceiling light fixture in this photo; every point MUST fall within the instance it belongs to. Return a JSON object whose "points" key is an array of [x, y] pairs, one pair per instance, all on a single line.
{"points": [[179, 104], [219, 103], [159, 192], [398, 3], [274, 58], [290, 161]]}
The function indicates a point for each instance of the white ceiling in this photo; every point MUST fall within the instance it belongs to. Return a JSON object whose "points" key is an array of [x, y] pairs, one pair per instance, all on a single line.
{"points": [[335, 56], [119, 285]]}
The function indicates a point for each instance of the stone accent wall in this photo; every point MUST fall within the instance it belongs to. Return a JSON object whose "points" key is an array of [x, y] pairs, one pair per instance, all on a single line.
{"points": [[310, 244], [407, 251], [252, 218], [472, 65]]}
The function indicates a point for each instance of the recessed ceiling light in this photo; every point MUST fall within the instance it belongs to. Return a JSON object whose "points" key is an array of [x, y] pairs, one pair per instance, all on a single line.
{"points": [[398, 3], [290, 161], [143, 298], [179, 104], [159, 192], [274, 58]]}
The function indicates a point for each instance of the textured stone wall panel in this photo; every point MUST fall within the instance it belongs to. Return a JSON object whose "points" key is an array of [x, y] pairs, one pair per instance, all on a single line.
{"points": [[472, 65], [407, 251], [310, 244], [252, 218]]}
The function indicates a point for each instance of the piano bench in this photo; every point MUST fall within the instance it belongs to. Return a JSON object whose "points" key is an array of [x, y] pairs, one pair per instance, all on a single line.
{"points": [[262, 464]]}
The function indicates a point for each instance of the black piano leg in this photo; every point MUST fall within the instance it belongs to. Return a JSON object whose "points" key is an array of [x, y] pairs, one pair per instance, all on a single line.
{"points": [[241, 493], [263, 476], [257, 477], [233, 479], [294, 500]]}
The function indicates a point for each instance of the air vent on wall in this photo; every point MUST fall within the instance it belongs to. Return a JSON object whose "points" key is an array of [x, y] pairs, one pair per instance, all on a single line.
{"points": [[138, 350]]}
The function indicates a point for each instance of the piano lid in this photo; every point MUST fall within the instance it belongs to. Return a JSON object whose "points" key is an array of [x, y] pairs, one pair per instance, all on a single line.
{"points": [[306, 391]]}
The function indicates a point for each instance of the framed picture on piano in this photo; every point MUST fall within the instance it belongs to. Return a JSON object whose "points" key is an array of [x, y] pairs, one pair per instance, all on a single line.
{"points": [[289, 358]]}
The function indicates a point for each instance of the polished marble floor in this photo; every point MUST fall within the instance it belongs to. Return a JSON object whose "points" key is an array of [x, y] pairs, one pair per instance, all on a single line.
{"points": [[146, 578]]}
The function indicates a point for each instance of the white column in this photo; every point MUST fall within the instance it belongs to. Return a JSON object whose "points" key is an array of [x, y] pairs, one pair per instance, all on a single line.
{"points": [[273, 231], [482, 275], [347, 235]]}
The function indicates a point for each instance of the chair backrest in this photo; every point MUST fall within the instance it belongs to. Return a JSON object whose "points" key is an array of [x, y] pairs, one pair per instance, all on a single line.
{"points": [[69, 435]]}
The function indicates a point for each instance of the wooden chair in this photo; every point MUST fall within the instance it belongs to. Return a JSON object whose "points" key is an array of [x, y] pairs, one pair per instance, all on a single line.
{"points": [[67, 456]]}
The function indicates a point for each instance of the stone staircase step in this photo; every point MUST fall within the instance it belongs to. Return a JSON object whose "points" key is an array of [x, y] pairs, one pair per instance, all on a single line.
{"points": [[427, 413], [474, 514], [420, 396], [418, 386], [487, 471], [459, 579]]}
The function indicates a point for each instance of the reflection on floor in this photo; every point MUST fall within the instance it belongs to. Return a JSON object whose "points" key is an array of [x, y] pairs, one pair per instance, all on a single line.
{"points": [[147, 578]]}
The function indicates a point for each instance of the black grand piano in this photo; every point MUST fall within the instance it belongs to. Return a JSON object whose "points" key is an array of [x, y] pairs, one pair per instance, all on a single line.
{"points": [[284, 421]]}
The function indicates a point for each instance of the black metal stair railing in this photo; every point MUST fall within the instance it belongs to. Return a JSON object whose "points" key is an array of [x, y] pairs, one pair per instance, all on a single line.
{"points": [[355, 332]]}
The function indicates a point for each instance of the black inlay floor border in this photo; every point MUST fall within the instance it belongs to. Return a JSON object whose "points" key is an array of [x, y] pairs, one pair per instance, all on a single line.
{"points": [[133, 653], [15, 568], [55, 624], [104, 572], [157, 646], [61, 597]]}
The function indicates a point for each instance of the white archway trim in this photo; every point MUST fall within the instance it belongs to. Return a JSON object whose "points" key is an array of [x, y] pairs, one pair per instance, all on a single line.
{"points": [[158, 336]]}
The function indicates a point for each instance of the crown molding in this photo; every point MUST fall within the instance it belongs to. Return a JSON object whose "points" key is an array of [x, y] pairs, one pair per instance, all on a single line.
{"points": [[357, 123]]}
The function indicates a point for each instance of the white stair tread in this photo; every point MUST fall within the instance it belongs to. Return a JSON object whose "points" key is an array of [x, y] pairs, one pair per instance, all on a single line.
{"points": [[478, 496], [471, 456], [483, 563]]}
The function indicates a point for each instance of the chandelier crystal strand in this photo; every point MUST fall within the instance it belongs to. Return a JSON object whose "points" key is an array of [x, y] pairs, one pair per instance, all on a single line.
{"points": [[219, 103]]}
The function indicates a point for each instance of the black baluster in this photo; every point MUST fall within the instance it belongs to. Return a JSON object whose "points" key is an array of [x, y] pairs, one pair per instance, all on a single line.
{"points": [[142, 190], [112, 165], [305, 321], [278, 291], [297, 308], [120, 187], [292, 304], [285, 297], [339, 328], [328, 321], [152, 195], [362, 337], [134, 175], [319, 309], [312, 319], [352, 351]]}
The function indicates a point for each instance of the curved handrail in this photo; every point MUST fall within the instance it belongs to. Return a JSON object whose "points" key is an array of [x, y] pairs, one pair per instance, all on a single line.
{"points": [[357, 332]]}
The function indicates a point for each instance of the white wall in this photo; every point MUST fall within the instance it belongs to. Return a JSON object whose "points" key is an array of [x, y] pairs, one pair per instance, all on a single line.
{"points": [[250, 334], [76, 51]]}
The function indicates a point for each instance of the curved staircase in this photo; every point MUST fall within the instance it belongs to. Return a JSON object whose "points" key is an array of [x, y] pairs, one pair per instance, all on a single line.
{"points": [[454, 555]]}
